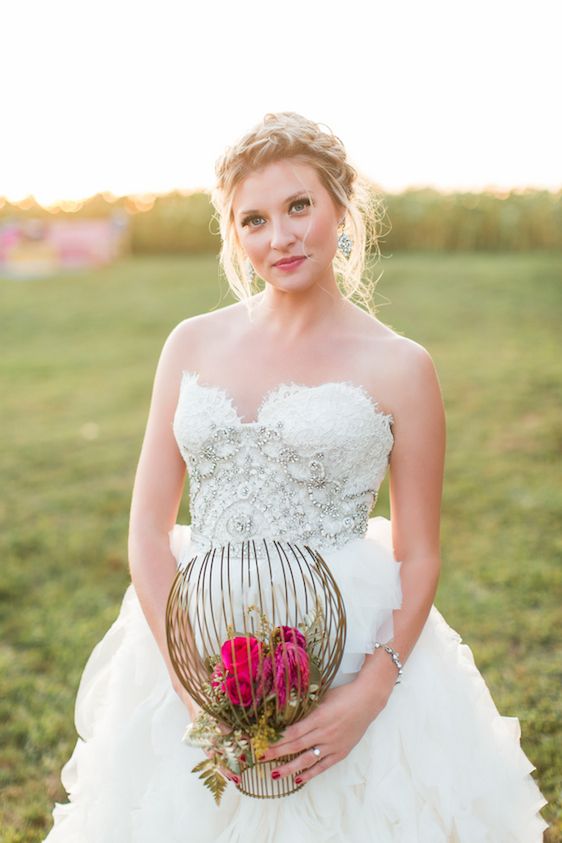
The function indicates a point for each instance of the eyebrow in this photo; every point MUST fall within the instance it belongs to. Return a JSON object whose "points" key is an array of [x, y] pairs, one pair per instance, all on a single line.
{"points": [[287, 200]]}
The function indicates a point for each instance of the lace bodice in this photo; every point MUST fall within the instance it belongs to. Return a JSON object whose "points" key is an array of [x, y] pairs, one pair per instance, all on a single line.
{"points": [[308, 469]]}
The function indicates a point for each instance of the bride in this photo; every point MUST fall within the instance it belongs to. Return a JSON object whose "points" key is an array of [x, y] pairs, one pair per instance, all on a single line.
{"points": [[407, 745]]}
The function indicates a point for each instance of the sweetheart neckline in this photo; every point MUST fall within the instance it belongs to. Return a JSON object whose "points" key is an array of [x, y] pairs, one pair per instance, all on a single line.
{"points": [[270, 393]]}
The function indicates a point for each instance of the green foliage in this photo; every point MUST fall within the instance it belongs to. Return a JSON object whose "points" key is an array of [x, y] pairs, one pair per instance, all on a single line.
{"points": [[518, 220], [417, 220], [78, 360], [211, 777], [175, 223]]}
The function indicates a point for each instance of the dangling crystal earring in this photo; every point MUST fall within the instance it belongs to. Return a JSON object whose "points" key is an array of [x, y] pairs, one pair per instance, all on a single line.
{"points": [[251, 272], [345, 244]]}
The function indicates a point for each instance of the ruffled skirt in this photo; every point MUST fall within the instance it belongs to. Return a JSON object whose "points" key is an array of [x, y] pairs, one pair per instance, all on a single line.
{"points": [[439, 764]]}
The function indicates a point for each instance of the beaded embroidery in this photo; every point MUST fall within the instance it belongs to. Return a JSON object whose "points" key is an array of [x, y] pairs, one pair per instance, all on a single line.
{"points": [[308, 469]]}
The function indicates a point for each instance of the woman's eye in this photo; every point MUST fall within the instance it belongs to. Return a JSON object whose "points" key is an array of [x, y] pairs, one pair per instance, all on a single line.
{"points": [[250, 219], [304, 201]]}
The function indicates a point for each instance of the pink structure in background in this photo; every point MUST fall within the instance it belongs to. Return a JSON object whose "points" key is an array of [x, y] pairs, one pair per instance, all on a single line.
{"points": [[37, 248]]}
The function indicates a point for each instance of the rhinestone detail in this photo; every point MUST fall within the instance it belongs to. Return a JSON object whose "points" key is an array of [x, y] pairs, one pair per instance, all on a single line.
{"points": [[309, 472]]}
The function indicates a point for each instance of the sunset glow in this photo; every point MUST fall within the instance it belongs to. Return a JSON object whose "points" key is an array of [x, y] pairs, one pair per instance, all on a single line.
{"points": [[141, 98]]}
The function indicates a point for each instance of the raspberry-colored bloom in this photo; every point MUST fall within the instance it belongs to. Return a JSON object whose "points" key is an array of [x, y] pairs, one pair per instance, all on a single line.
{"points": [[292, 670], [239, 692], [217, 676], [292, 635], [242, 654], [246, 673], [264, 678]]}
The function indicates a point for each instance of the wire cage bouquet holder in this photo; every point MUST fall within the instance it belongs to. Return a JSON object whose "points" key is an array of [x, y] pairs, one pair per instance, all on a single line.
{"points": [[256, 631]]}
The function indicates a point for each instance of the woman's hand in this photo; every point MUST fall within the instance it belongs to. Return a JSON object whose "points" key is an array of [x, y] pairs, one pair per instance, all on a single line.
{"points": [[338, 722]]}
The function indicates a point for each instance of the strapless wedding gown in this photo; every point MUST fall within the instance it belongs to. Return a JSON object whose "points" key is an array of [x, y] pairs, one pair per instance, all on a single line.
{"points": [[438, 765]]}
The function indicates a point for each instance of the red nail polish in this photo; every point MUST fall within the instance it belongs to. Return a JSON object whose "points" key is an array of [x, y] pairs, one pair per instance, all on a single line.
{"points": [[298, 780], [275, 774]]}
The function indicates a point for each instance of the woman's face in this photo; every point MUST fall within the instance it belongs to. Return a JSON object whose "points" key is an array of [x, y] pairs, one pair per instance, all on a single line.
{"points": [[284, 211]]}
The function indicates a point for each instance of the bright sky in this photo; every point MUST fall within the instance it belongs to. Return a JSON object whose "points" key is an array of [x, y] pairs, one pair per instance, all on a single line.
{"points": [[137, 97]]}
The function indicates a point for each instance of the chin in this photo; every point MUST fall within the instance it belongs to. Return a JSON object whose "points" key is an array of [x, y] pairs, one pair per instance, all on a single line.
{"points": [[289, 283]]}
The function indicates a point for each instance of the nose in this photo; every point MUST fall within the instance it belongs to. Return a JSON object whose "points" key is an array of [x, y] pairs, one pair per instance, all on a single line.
{"points": [[281, 234]]}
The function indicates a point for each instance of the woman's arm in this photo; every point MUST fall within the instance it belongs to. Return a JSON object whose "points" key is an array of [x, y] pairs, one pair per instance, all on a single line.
{"points": [[156, 497], [416, 483]]}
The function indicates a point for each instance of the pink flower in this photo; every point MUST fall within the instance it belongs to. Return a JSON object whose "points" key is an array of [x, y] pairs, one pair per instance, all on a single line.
{"points": [[239, 692], [246, 673], [292, 635], [291, 670], [217, 676], [241, 655], [265, 677]]}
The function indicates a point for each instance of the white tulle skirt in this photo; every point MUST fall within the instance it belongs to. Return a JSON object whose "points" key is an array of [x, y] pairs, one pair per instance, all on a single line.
{"points": [[438, 765]]}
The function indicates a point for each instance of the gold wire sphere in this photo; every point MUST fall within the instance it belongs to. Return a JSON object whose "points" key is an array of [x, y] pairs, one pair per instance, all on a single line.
{"points": [[248, 589]]}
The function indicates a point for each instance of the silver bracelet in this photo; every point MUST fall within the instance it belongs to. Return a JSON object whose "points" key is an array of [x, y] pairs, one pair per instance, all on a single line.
{"points": [[394, 656]]}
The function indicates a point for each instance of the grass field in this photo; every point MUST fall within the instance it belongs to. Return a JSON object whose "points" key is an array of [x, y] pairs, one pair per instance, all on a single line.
{"points": [[77, 364]]}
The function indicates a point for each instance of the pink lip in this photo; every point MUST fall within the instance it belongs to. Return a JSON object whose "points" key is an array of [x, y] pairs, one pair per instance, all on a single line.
{"points": [[289, 264]]}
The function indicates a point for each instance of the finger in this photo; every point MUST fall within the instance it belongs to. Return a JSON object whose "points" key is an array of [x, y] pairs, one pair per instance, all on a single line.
{"points": [[317, 768], [302, 727], [301, 744], [296, 765], [301, 763], [290, 738]]}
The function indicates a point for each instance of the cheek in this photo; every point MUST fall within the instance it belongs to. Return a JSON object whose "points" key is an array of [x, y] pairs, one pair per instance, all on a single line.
{"points": [[257, 245], [321, 235], [250, 242]]}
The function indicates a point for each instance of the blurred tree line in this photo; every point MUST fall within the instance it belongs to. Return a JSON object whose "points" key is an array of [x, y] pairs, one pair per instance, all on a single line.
{"points": [[417, 219]]}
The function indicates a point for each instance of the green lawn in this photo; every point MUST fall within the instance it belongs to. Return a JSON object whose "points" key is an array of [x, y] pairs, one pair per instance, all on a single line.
{"points": [[77, 363]]}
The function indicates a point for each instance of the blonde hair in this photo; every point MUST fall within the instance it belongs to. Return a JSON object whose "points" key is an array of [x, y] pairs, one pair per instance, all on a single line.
{"points": [[286, 134]]}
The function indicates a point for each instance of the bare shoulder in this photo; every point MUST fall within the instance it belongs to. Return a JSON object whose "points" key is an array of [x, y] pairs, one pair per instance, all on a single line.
{"points": [[191, 336], [398, 355], [407, 358], [401, 369], [413, 389]]}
